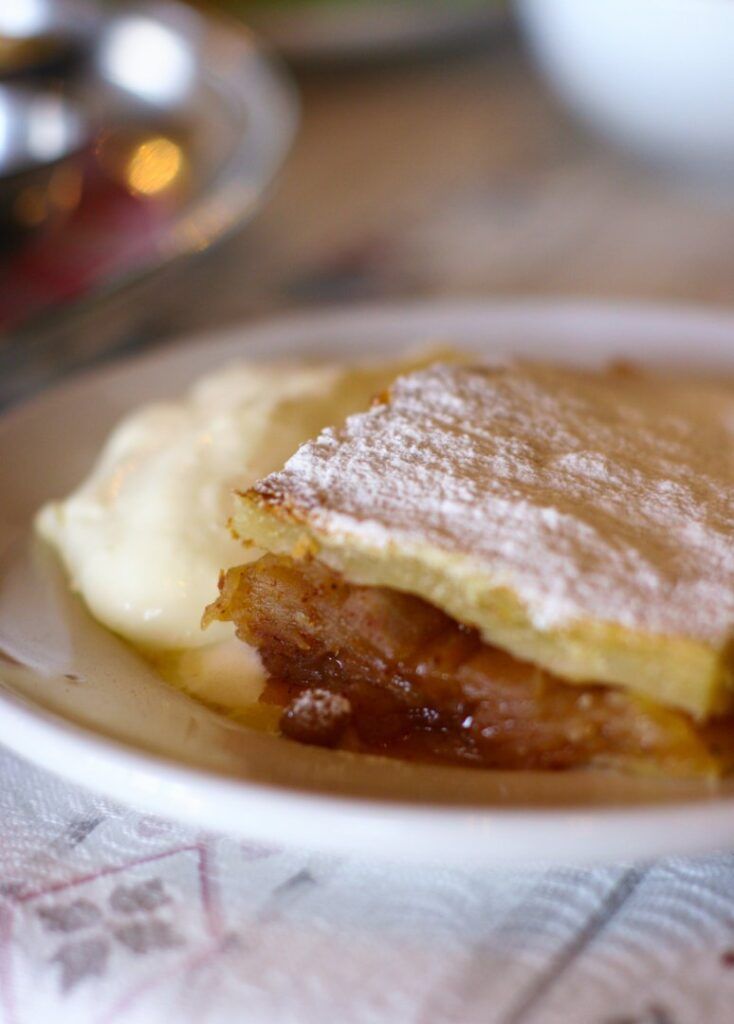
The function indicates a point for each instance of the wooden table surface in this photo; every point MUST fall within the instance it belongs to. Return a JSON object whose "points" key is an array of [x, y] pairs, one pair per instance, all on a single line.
{"points": [[462, 176], [450, 175]]}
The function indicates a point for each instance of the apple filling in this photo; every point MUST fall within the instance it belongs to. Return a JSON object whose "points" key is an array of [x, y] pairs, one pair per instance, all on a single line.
{"points": [[377, 670]]}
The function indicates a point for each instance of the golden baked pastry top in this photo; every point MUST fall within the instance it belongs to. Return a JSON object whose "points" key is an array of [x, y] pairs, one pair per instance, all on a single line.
{"points": [[580, 520]]}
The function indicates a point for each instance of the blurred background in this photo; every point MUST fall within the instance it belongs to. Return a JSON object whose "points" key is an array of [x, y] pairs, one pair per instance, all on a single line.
{"points": [[167, 168]]}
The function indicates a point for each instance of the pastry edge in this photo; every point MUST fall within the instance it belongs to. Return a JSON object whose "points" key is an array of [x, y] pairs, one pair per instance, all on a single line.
{"points": [[678, 671]]}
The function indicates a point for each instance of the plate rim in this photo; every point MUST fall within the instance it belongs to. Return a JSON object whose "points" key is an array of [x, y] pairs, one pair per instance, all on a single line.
{"points": [[509, 829], [718, 317]]}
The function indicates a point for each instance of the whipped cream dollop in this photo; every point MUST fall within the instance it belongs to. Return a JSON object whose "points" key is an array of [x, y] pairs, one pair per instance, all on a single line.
{"points": [[145, 535]]}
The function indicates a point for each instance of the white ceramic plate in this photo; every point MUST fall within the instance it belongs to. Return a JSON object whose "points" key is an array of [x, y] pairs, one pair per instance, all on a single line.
{"points": [[75, 699]]}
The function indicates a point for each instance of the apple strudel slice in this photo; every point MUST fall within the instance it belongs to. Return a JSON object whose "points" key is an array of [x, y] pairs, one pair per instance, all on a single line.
{"points": [[519, 566]]}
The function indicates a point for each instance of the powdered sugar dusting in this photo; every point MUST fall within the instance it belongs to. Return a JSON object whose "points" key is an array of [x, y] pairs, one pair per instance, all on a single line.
{"points": [[606, 496]]}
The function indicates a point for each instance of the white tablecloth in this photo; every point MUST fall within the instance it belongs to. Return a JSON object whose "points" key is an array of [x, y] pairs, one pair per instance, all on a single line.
{"points": [[109, 915]]}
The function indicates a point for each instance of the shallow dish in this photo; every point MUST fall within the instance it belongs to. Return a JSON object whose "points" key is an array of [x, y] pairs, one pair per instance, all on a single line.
{"points": [[187, 117], [78, 701]]}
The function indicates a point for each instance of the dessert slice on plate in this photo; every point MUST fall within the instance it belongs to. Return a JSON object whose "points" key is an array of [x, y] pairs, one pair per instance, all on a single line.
{"points": [[517, 566]]}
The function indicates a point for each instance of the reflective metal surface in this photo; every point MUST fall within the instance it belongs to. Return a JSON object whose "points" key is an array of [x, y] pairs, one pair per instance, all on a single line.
{"points": [[176, 121], [37, 127]]}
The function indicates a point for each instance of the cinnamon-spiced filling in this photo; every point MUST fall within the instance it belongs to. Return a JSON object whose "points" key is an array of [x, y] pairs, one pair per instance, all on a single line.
{"points": [[373, 669]]}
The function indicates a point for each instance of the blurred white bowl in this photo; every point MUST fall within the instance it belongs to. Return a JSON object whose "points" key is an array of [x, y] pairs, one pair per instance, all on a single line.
{"points": [[655, 75]]}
